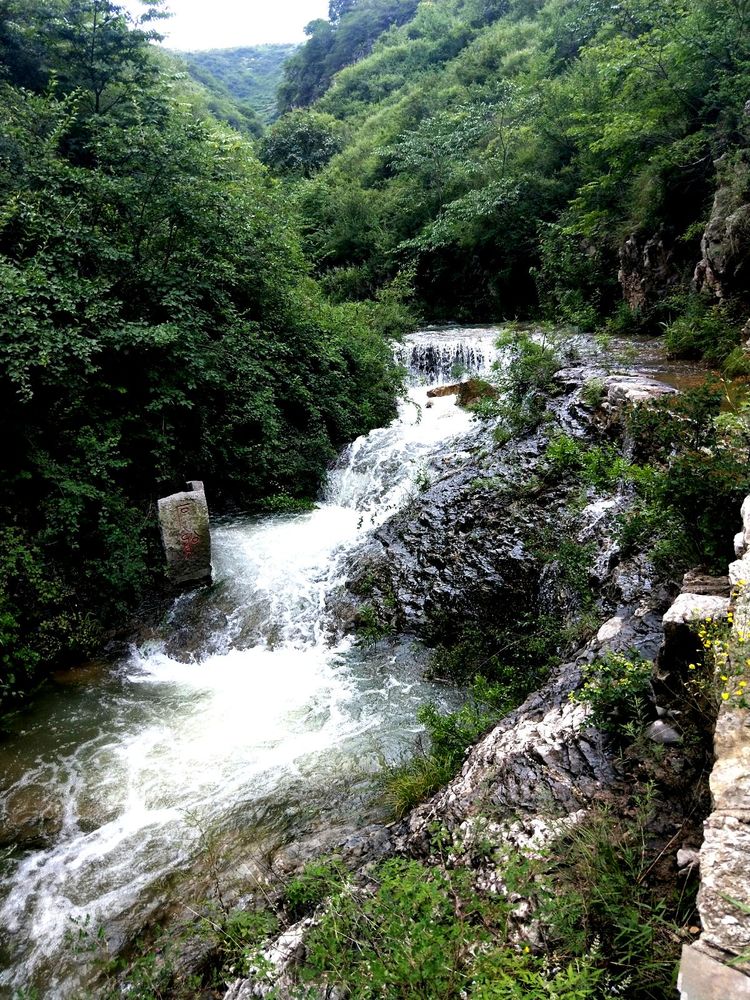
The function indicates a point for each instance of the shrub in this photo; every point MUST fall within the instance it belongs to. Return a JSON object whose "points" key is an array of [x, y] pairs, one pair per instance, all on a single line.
{"points": [[698, 476], [617, 689], [283, 503], [526, 377], [702, 330]]}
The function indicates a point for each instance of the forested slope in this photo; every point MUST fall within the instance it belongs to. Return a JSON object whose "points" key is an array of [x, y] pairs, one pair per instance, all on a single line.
{"points": [[250, 75], [157, 323], [513, 155]]}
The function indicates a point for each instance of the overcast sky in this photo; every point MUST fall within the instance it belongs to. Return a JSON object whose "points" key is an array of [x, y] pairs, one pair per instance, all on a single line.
{"points": [[221, 24]]}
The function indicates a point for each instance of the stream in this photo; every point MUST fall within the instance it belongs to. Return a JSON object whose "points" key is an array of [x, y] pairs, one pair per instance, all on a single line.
{"points": [[242, 725]]}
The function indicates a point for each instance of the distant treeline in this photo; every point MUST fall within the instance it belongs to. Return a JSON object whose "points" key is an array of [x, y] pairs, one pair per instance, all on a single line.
{"points": [[250, 76]]}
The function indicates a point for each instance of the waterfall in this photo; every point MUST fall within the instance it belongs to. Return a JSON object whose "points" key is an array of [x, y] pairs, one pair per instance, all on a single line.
{"points": [[442, 356], [239, 716]]}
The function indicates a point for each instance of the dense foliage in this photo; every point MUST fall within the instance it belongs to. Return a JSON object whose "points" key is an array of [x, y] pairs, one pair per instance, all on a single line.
{"points": [[507, 149], [157, 324], [250, 75]]}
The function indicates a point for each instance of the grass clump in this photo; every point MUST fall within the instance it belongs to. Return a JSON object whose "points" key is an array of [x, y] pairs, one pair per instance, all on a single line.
{"points": [[370, 628], [449, 735], [316, 882]]}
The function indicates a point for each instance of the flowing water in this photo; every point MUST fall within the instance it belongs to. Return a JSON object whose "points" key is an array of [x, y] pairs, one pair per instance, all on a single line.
{"points": [[240, 724]]}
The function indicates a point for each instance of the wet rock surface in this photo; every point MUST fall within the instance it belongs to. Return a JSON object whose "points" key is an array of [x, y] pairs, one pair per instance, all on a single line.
{"points": [[473, 544], [469, 546]]}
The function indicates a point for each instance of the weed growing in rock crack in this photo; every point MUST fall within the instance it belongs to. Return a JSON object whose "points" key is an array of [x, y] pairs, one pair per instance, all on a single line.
{"points": [[369, 628], [147, 971], [721, 675], [318, 880], [617, 689], [422, 479], [425, 771], [598, 466], [592, 392]]}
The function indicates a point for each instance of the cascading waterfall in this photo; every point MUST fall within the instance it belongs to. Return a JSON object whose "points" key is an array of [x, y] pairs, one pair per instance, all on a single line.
{"points": [[442, 356], [241, 720]]}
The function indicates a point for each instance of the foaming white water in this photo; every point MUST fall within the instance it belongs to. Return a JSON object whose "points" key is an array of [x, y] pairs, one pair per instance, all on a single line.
{"points": [[379, 472], [265, 717], [441, 356]]}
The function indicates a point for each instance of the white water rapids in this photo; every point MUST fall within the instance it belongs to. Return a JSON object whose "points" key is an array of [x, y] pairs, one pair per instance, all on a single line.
{"points": [[264, 734]]}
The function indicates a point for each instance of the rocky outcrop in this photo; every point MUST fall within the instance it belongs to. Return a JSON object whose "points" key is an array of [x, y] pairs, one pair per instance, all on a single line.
{"points": [[472, 546], [543, 764], [647, 271], [717, 966], [724, 268]]}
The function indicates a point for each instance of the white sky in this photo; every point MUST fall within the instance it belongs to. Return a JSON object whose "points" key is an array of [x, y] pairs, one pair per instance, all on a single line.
{"points": [[223, 24]]}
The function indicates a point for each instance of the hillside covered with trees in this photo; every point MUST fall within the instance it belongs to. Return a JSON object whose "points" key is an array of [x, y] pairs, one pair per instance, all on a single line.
{"points": [[514, 155], [157, 318], [250, 75]]}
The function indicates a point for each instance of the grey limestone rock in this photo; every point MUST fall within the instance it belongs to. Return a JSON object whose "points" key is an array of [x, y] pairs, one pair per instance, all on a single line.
{"points": [[186, 534], [647, 271], [705, 978], [723, 268]]}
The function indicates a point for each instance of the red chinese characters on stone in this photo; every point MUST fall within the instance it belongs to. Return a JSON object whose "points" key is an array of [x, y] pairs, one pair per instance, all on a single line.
{"points": [[188, 539]]}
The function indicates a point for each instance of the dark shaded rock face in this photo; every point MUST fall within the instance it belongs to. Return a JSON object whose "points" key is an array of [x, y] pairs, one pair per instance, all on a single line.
{"points": [[478, 544], [457, 548], [647, 271], [724, 269]]}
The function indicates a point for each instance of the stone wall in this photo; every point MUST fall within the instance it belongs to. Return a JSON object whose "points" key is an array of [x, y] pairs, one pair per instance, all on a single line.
{"points": [[717, 966]]}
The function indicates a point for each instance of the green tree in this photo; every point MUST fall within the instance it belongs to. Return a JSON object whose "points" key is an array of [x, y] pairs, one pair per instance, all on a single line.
{"points": [[301, 142]]}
